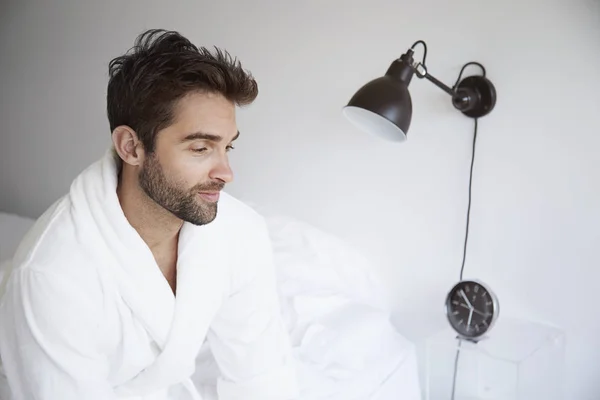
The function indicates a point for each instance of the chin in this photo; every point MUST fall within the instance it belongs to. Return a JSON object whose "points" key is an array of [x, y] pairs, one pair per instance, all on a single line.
{"points": [[205, 216]]}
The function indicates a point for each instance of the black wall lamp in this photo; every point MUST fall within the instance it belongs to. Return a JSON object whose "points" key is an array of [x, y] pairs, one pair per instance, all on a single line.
{"points": [[383, 106]]}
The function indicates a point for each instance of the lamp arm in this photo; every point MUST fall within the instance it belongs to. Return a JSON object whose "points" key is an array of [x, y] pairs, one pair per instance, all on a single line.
{"points": [[440, 84], [421, 72]]}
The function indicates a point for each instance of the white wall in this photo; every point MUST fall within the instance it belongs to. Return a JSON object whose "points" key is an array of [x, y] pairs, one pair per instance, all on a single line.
{"points": [[535, 216]]}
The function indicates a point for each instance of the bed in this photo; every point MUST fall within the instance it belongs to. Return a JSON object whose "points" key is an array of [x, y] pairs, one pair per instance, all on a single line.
{"points": [[344, 344]]}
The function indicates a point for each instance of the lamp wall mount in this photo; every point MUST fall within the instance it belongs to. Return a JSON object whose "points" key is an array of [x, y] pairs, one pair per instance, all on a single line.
{"points": [[474, 96]]}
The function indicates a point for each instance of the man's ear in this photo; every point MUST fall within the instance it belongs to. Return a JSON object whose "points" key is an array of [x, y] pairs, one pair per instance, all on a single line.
{"points": [[128, 146]]}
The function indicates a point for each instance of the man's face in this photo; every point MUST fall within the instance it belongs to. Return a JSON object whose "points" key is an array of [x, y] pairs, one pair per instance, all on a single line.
{"points": [[190, 165]]}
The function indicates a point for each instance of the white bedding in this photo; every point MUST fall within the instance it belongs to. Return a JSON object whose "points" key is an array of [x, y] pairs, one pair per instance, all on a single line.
{"points": [[345, 346], [12, 230]]}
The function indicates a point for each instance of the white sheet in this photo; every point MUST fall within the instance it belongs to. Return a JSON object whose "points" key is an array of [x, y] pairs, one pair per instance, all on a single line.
{"points": [[332, 303]]}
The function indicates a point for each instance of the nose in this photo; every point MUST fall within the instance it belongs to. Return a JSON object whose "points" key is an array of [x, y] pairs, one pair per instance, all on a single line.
{"points": [[222, 170]]}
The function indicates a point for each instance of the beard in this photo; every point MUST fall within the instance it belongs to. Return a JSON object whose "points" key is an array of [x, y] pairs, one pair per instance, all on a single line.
{"points": [[181, 202]]}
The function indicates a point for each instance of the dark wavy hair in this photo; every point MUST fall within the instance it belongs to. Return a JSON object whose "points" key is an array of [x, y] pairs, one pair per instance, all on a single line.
{"points": [[161, 68]]}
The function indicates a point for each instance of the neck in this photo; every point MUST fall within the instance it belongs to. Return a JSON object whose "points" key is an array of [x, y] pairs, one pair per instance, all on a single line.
{"points": [[156, 226]]}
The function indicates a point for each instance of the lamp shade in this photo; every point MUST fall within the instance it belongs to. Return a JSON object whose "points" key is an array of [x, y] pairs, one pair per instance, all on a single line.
{"points": [[383, 106]]}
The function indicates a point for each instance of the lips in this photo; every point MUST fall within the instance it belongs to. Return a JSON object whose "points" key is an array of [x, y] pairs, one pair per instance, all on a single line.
{"points": [[211, 197]]}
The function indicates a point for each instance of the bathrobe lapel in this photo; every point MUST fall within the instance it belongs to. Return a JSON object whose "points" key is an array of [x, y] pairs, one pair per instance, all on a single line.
{"points": [[119, 249], [202, 282]]}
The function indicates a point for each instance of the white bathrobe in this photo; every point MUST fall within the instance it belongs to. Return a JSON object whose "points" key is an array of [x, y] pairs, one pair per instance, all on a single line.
{"points": [[86, 313]]}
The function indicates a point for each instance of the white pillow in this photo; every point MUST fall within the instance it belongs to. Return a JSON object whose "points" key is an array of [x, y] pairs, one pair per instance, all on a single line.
{"points": [[12, 230]]}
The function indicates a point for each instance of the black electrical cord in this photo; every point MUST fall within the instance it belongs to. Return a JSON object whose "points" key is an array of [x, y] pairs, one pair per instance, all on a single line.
{"points": [[462, 268], [483, 72], [455, 370], [462, 70], [422, 43]]}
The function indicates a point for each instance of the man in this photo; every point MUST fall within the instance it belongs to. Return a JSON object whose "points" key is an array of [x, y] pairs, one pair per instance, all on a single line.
{"points": [[113, 292]]}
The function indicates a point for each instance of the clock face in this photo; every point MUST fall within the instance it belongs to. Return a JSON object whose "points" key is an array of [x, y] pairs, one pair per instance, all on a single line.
{"points": [[471, 308]]}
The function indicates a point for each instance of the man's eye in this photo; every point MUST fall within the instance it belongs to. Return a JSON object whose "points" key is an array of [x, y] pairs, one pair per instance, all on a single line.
{"points": [[230, 147], [202, 150]]}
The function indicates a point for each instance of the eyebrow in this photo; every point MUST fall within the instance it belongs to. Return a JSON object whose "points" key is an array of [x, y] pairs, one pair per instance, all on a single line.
{"points": [[206, 136]]}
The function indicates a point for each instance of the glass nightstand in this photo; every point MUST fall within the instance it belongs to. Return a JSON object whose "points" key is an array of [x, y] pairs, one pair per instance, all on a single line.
{"points": [[519, 360]]}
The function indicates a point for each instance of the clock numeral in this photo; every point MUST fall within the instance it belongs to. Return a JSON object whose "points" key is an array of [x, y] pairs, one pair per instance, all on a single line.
{"points": [[488, 303], [467, 289], [455, 302], [477, 328], [476, 288], [485, 322], [460, 322], [455, 312], [484, 294]]}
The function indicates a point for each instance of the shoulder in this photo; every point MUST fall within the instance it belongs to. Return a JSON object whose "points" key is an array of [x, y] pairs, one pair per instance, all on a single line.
{"points": [[50, 274], [58, 309], [236, 213], [246, 229], [55, 244], [237, 207], [246, 233]]}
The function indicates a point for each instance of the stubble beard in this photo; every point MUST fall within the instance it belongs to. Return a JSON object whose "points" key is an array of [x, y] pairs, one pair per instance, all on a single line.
{"points": [[182, 203]]}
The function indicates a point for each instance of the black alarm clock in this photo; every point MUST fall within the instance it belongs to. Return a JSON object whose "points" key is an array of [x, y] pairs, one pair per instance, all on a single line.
{"points": [[472, 309]]}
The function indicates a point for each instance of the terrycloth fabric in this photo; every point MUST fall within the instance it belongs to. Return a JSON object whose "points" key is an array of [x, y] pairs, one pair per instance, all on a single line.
{"points": [[87, 314]]}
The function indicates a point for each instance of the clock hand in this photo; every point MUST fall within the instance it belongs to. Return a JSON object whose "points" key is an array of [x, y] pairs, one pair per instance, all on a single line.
{"points": [[462, 292], [480, 313], [463, 305], [470, 317]]}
